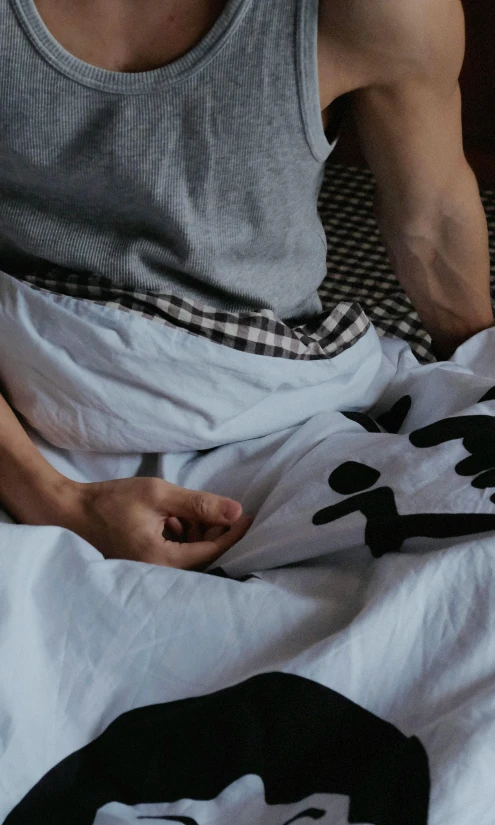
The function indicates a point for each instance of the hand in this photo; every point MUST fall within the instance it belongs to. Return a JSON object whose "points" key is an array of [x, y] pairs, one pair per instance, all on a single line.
{"points": [[153, 521]]}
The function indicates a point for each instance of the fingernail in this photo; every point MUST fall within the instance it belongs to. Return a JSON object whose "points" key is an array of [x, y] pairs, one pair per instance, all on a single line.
{"points": [[232, 511]]}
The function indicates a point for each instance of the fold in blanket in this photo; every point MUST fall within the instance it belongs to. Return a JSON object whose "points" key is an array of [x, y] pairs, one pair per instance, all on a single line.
{"points": [[259, 331], [336, 665]]}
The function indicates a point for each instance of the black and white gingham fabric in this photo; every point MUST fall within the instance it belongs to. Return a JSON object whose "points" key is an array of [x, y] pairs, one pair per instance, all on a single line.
{"points": [[358, 265], [259, 332], [360, 287]]}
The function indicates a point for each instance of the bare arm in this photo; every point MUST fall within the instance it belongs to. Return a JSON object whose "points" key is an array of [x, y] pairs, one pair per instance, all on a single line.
{"points": [[124, 518], [406, 59], [30, 488]]}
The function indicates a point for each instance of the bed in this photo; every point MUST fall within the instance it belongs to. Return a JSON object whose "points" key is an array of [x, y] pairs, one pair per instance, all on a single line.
{"points": [[336, 665]]}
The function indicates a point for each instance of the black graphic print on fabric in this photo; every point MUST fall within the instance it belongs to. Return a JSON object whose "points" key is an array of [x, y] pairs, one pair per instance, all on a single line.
{"points": [[393, 420], [299, 737], [488, 396], [478, 438], [309, 813], [476, 431], [390, 422], [386, 529]]}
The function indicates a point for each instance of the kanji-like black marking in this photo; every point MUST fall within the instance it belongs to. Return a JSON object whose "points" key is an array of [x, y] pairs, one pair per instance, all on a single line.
{"points": [[386, 529], [393, 420], [478, 438], [488, 396], [390, 422]]}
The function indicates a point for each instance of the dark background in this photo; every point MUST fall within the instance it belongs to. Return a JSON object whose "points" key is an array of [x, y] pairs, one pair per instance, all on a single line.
{"points": [[478, 98]]}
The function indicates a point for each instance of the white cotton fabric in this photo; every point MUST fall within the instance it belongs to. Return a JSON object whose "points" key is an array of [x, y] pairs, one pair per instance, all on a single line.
{"points": [[408, 636]]}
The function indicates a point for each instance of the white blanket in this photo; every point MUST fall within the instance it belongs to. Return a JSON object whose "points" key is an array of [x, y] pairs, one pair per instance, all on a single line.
{"points": [[337, 664]]}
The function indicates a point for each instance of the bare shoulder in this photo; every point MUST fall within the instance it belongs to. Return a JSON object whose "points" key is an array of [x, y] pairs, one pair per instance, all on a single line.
{"points": [[381, 42]]}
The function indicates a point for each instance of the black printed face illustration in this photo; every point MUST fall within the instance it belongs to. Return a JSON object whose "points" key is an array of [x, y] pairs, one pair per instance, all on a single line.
{"points": [[299, 742], [242, 803]]}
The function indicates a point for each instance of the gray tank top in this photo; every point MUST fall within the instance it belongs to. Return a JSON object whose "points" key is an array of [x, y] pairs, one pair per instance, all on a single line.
{"points": [[199, 179]]}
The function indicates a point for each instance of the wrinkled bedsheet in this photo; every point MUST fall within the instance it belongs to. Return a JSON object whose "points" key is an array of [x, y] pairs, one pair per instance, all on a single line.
{"points": [[336, 665]]}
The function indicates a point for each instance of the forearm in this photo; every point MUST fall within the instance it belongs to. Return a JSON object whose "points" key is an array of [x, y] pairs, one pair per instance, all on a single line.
{"points": [[139, 519], [31, 490], [445, 268]]}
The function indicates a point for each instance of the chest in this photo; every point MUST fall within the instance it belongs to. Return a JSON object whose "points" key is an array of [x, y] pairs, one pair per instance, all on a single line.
{"points": [[124, 37]]}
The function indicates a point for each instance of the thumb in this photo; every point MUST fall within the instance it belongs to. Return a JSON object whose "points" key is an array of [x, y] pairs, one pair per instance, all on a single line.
{"points": [[206, 508]]}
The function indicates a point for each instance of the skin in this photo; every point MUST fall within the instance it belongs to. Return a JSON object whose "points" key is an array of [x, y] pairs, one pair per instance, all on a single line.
{"points": [[123, 518], [400, 63], [129, 35]]}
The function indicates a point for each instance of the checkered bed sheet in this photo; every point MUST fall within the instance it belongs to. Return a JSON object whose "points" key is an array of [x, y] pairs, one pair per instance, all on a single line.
{"points": [[258, 332], [360, 286], [358, 264]]}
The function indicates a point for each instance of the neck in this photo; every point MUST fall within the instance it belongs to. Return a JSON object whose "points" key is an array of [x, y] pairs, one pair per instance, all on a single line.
{"points": [[129, 35]]}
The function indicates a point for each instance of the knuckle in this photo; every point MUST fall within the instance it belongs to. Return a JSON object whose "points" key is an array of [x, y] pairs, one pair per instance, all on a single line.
{"points": [[202, 505], [154, 488], [156, 484]]}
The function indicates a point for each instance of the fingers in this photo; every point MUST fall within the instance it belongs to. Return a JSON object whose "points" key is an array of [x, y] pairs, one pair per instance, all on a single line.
{"points": [[200, 532], [199, 554], [233, 535], [173, 525], [199, 506], [215, 532], [195, 532], [173, 529]]}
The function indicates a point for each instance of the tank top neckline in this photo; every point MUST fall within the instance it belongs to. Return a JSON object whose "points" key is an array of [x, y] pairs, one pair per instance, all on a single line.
{"points": [[130, 82]]}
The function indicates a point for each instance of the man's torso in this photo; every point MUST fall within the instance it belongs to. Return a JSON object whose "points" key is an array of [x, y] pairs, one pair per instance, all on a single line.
{"points": [[118, 36], [177, 128]]}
